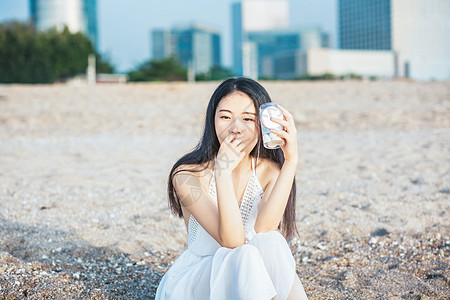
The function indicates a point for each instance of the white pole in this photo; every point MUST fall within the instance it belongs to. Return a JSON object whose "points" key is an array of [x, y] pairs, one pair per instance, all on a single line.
{"points": [[191, 71], [91, 76]]}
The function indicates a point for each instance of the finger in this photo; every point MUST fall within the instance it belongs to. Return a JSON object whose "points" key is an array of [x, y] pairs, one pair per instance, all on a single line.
{"points": [[230, 138], [290, 119], [280, 121], [286, 113], [237, 140], [281, 133], [237, 148], [242, 139], [241, 146], [289, 126]]}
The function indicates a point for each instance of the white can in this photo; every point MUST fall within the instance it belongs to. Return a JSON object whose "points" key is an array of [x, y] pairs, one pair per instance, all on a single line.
{"points": [[270, 139]]}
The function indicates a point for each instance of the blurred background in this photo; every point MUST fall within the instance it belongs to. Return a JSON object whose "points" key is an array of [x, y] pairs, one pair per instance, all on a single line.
{"points": [[83, 169], [206, 40]]}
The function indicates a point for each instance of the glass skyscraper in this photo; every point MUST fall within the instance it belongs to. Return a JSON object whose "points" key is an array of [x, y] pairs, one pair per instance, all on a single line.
{"points": [[251, 16], [195, 45], [272, 42], [418, 31], [365, 24], [77, 15], [163, 44]]}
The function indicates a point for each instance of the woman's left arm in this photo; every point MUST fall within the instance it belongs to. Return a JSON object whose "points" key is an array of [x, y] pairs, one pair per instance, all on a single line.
{"points": [[273, 203]]}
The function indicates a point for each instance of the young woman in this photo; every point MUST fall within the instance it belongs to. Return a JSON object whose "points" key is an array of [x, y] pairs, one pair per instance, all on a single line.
{"points": [[234, 194]]}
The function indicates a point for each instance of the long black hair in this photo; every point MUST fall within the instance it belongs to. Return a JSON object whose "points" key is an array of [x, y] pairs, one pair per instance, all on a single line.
{"points": [[206, 150]]}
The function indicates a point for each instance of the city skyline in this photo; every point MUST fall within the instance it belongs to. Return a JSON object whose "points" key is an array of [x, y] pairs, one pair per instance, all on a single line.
{"points": [[126, 50]]}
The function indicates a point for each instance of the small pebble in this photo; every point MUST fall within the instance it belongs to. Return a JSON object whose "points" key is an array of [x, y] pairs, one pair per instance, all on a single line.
{"points": [[373, 240]]}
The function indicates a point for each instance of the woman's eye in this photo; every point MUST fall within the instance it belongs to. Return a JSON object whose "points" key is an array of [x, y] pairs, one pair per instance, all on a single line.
{"points": [[224, 117], [249, 120]]}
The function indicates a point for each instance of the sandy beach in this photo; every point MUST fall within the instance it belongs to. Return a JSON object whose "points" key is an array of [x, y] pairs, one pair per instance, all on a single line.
{"points": [[83, 173]]}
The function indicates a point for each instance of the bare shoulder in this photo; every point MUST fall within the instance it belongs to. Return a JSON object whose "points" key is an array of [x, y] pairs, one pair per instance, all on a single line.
{"points": [[191, 174], [267, 171], [267, 166]]}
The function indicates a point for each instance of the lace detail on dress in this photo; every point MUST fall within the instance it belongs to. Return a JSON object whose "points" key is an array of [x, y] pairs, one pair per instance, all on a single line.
{"points": [[252, 195], [193, 229], [247, 200]]}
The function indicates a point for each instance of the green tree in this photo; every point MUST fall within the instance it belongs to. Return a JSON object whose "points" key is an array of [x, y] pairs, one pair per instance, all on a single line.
{"points": [[27, 56], [17, 45], [169, 69], [102, 64], [325, 76]]}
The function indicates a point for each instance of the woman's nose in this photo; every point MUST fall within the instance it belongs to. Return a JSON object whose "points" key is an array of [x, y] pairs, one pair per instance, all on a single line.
{"points": [[237, 127]]}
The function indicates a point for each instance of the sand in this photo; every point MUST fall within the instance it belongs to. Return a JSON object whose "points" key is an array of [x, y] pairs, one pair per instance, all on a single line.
{"points": [[83, 172]]}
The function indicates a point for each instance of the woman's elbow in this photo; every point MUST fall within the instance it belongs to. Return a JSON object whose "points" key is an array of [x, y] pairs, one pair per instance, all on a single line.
{"points": [[232, 242], [233, 245], [264, 228]]}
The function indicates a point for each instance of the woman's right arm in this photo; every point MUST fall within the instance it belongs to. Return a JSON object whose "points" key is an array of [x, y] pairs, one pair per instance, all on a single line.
{"points": [[223, 220], [231, 227]]}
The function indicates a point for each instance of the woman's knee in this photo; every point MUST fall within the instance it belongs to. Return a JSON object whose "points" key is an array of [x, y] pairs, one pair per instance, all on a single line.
{"points": [[272, 244], [246, 249], [272, 234], [269, 238]]}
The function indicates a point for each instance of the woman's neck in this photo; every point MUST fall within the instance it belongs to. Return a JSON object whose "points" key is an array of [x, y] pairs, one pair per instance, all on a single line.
{"points": [[244, 165]]}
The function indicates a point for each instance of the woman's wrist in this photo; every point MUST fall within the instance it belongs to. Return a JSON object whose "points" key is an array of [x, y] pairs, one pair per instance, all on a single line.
{"points": [[291, 161], [222, 172]]}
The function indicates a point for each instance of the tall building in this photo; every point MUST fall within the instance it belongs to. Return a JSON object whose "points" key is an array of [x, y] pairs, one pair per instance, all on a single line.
{"points": [[417, 31], [269, 43], [249, 16], [77, 15], [365, 24], [196, 46], [163, 44]]}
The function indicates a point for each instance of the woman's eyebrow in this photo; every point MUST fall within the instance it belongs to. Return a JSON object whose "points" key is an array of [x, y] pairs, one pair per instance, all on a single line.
{"points": [[244, 112]]}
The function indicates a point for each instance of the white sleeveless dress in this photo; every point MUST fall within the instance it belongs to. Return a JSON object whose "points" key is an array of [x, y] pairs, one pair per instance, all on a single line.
{"points": [[262, 268]]}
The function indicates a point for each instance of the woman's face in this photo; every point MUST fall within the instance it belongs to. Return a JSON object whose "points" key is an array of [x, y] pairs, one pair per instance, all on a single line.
{"points": [[236, 115]]}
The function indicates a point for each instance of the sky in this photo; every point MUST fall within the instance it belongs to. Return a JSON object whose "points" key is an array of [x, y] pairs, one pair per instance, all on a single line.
{"points": [[124, 27]]}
